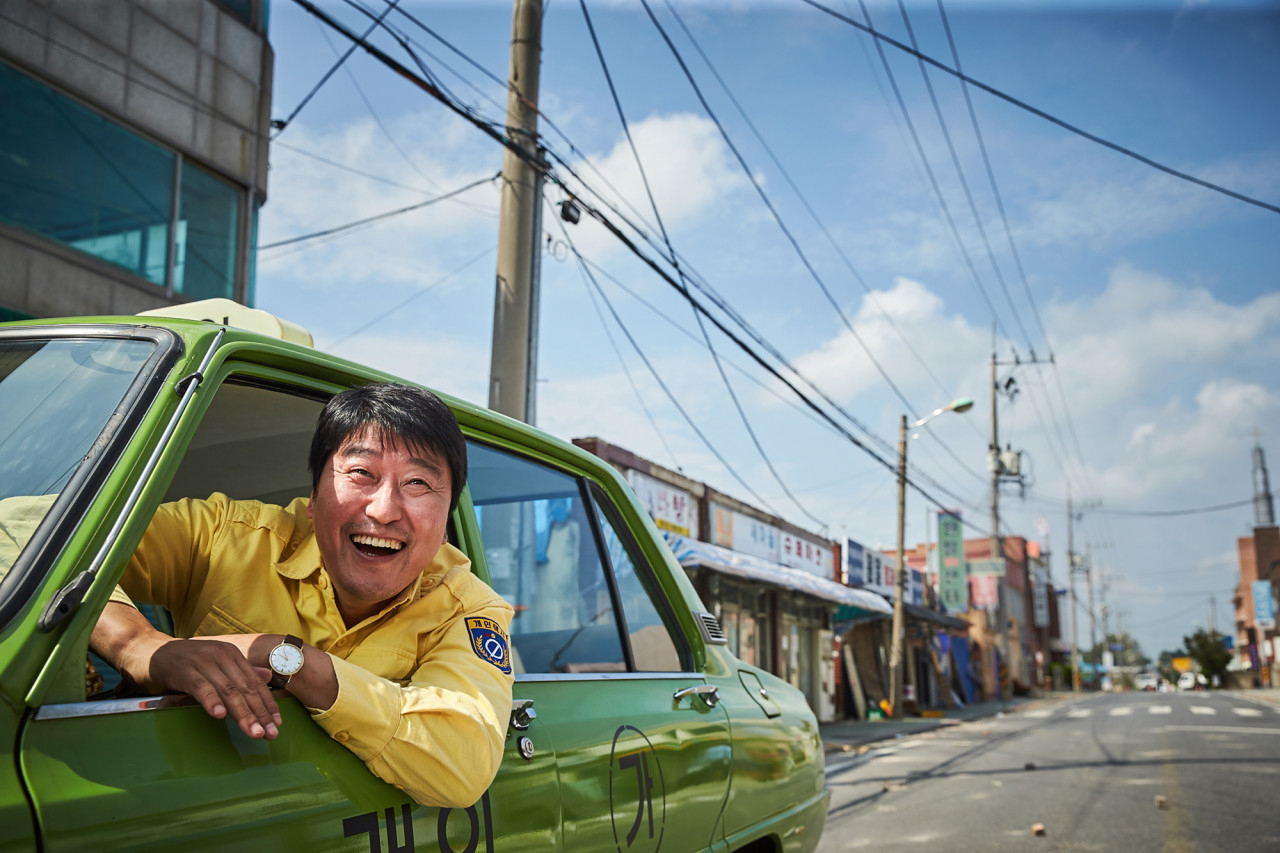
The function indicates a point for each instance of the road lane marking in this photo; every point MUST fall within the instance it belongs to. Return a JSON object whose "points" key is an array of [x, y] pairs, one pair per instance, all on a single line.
{"points": [[1248, 712], [1203, 710], [1161, 709], [1245, 730], [1122, 711], [1079, 713]]}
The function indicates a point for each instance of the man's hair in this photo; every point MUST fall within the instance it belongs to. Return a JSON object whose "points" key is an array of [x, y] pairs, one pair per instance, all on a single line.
{"points": [[397, 415]]}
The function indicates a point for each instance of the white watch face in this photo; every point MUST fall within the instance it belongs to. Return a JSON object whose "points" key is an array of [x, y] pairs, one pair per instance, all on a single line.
{"points": [[285, 659]]}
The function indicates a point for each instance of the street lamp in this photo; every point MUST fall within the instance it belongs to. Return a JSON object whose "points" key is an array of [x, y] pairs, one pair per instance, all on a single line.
{"points": [[962, 404]]}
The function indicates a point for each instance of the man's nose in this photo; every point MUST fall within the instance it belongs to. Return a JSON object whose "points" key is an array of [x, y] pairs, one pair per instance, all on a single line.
{"points": [[384, 503]]}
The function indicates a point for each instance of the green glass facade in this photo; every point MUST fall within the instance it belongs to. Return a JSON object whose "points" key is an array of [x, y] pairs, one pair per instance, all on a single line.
{"points": [[76, 177]]}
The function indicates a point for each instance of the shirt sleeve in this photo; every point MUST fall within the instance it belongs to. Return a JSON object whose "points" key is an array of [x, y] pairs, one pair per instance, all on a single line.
{"points": [[440, 737], [172, 558]]}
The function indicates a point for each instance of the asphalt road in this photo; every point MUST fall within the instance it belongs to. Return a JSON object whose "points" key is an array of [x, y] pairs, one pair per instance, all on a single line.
{"points": [[1127, 772]]}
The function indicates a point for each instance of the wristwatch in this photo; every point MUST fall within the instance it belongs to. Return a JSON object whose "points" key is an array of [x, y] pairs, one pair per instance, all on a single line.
{"points": [[285, 661]]}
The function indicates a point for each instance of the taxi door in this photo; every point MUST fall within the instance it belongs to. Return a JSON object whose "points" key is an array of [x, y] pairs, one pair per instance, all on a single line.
{"points": [[641, 744]]}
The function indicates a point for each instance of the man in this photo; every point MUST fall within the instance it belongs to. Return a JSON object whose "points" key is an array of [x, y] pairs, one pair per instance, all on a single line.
{"points": [[352, 601]]}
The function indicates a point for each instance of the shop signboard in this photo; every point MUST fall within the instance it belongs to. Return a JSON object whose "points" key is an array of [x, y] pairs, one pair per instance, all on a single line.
{"points": [[953, 590], [670, 508], [915, 587], [1040, 595], [806, 555], [744, 534], [852, 573], [879, 572], [1263, 607], [984, 591]]}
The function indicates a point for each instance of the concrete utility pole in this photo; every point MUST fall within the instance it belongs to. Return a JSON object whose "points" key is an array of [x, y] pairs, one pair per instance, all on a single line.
{"points": [[513, 369], [899, 582], [997, 551], [1088, 579], [1071, 577]]}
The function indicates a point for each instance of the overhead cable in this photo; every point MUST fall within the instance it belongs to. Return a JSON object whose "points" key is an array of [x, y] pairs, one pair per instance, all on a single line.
{"points": [[493, 132], [279, 126], [991, 90], [666, 238], [964, 183], [755, 182], [381, 216]]}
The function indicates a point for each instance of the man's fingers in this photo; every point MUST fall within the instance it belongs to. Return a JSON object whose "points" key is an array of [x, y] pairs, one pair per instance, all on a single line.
{"points": [[223, 682]]}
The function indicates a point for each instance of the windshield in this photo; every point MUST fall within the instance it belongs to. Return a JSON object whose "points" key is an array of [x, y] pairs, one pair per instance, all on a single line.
{"points": [[56, 397]]}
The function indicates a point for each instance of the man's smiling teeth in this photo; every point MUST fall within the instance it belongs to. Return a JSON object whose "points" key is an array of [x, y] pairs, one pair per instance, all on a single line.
{"points": [[374, 541]]}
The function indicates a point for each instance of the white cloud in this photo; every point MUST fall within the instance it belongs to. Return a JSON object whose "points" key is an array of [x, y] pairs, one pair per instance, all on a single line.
{"points": [[947, 344], [689, 171], [306, 196]]}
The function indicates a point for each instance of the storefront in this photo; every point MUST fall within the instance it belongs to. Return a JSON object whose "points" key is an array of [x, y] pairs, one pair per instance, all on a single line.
{"points": [[775, 617]]}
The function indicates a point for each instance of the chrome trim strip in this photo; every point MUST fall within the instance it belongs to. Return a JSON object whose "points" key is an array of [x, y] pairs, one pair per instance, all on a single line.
{"points": [[609, 676], [71, 710]]}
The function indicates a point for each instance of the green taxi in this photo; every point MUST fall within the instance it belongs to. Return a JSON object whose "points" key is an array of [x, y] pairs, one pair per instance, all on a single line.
{"points": [[633, 727]]}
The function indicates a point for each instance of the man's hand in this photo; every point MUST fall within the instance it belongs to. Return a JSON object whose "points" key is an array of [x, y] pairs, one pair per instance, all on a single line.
{"points": [[215, 671]]}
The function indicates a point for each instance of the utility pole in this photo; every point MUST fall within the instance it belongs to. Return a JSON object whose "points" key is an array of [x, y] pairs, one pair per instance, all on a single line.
{"points": [[1088, 579], [513, 366], [1071, 576], [899, 581], [997, 550]]}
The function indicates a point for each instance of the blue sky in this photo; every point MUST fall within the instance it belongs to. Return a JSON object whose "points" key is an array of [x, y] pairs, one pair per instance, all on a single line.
{"points": [[1159, 298]]}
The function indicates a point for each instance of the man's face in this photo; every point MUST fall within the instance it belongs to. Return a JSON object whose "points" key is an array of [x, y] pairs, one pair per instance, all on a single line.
{"points": [[379, 512]]}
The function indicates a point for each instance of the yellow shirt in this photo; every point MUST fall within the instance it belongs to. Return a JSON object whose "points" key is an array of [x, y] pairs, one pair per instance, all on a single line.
{"points": [[422, 700]]}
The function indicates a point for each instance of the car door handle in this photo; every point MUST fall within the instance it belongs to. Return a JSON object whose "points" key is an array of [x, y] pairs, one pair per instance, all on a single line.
{"points": [[708, 693], [522, 713]]}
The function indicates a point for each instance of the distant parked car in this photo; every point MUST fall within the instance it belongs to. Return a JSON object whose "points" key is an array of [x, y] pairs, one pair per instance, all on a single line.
{"points": [[1146, 681], [1192, 681]]}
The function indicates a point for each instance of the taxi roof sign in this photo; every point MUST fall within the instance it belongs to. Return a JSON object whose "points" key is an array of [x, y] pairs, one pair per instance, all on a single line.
{"points": [[227, 313]]}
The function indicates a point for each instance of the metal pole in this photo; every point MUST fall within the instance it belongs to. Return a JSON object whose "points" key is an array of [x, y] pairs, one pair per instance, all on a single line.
{"points": [[513, 366], [997, 551], [1071, 575], [1088, 579], [895, 647]]}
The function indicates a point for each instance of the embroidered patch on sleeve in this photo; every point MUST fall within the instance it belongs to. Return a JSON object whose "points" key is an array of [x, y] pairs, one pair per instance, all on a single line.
{"points": [[489, 642]]}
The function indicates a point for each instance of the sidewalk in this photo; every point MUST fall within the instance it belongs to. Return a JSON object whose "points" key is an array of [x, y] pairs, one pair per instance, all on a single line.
{"points": [[848, 735]]}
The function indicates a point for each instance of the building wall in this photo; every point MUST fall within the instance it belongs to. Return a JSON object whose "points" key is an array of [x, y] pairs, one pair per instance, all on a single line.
{"points": [[1259, 557], [190, 79]]}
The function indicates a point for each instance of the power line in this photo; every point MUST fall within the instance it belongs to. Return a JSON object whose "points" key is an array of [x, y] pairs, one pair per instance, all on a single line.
{"points": [[774, 212], [378, 217], [658, 378], [964, 183], [644, 178], [1164, 513], [282, 124], [991, 90], [490, 130], [418, 293]]}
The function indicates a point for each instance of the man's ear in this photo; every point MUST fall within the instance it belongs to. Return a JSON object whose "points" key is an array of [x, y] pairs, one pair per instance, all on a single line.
{"points": [[311, 502]]}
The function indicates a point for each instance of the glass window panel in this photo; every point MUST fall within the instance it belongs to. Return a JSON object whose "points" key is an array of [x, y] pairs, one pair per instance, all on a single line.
{"points": [[542, 559], [207, 234], [651, 643], [77, 177], [55, 398]]}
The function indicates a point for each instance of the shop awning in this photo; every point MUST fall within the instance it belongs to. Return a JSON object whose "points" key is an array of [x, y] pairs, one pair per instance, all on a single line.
{"points": [[925, 614], [691, 553]]}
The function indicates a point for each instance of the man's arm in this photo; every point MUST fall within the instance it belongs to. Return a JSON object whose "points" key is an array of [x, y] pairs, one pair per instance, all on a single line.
{"points": [[440, 737], [215, 671]]}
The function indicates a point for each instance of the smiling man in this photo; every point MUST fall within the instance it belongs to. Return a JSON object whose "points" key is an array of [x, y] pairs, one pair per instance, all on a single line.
{"points": [[353, 601]]}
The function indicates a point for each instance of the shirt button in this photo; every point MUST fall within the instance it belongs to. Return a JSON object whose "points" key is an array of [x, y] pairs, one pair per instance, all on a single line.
{"points": [[342, 737]]}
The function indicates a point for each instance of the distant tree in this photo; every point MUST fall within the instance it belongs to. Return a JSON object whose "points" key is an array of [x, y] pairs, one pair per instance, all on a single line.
{"points": [[1209, 650], [1125, 649]]}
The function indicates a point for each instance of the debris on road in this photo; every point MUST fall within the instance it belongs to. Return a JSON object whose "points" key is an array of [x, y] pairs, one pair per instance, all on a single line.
{"points": [[1162, 802], [1037, 829]]}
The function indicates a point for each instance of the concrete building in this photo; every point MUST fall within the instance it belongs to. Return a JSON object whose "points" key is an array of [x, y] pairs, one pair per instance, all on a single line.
{"points": [[133, 155], [1259, 564]]}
